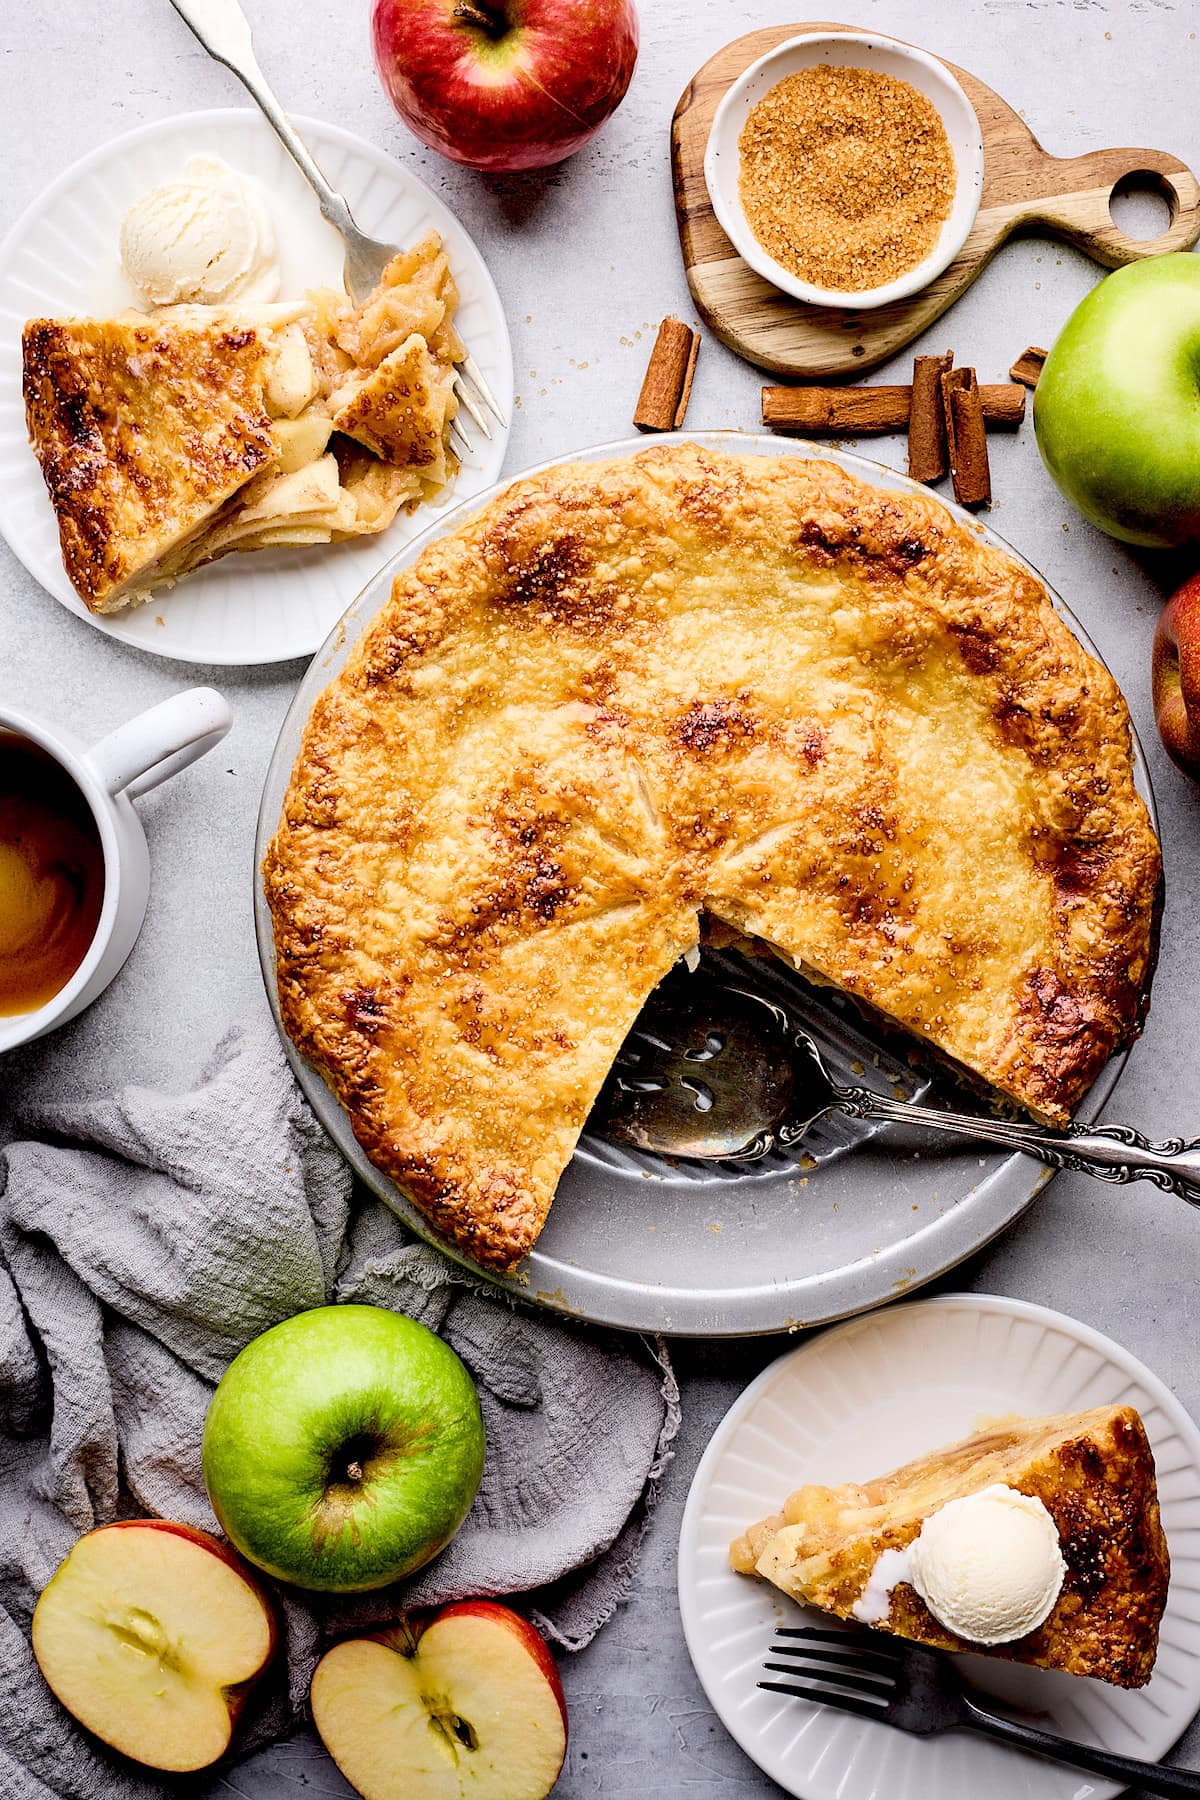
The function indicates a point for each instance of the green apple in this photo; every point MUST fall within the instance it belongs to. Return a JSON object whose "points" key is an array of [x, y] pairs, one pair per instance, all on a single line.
{"points": [[343, 1448], [1117, 407]]}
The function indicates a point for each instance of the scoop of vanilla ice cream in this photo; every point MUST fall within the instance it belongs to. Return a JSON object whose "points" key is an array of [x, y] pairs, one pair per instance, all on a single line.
{"points": [[989, 1566], [204, 239]]}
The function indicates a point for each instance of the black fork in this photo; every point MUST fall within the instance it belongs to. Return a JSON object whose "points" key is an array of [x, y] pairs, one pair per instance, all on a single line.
{"points": [[878, 1677]]}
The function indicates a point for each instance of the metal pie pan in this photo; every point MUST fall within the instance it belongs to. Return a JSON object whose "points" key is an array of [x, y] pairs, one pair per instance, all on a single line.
{"points": [[695, 1249]]}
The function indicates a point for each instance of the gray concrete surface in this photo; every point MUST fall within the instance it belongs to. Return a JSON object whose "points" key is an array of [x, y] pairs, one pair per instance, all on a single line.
{"points": [[587, 261]]}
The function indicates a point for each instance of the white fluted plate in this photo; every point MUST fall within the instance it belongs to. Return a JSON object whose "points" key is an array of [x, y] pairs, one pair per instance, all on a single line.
{"points": [[62, 257], [863, 1398]]}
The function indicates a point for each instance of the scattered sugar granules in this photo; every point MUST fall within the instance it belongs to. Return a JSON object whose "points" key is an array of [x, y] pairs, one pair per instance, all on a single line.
{"points": [[847, 176]]}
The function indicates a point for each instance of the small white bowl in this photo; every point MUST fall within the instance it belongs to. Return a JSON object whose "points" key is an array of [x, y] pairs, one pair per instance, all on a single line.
{"points": [[857, 50]]}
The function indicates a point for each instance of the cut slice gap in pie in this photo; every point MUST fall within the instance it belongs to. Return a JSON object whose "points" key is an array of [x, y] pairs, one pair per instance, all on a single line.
{"points": [[1094, 1474]]}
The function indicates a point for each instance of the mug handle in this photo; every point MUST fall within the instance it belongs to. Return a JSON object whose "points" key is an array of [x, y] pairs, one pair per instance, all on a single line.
{"points": [[159, 743]]}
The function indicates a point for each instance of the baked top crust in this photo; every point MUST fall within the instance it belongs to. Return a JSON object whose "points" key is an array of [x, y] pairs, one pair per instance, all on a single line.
{"points": [[144, 428], [399, 410], [630, 692], [1094, 1473]]}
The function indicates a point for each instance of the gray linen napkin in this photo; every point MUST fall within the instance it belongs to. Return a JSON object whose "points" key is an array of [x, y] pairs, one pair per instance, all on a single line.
{"points": [[143, 1241]]}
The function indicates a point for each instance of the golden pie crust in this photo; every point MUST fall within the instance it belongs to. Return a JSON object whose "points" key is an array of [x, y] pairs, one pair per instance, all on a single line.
{"points": [[144, 428], [1094, 1473], [629, 693], [400, 409]]}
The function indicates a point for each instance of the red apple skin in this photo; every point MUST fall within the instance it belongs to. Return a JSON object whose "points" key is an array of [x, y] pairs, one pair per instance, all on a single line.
{"points": [[522, 96], [235, 1697], [1175, 677], [410, 1630]]}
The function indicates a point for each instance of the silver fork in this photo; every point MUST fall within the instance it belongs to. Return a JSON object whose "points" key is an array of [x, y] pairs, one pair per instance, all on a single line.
{"points": [[918, 1690], [223, 29]]}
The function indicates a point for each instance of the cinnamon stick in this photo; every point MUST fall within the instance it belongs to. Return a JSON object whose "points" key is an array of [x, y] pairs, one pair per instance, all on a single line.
{"points": [[966, 438], [869, 411], [1028, 366], [667, 387], [927, 454]]}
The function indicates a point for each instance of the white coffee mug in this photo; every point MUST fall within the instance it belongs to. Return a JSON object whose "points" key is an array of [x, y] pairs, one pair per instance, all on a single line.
{"points": [[129, 761]]}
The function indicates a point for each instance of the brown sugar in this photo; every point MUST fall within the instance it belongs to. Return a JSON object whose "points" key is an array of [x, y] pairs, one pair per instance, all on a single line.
{"points": [[847, 176]]}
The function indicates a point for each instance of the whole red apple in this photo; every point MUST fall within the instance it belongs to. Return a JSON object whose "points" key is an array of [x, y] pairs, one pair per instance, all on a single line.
{"points": [[505, 84], [1175, 676]]}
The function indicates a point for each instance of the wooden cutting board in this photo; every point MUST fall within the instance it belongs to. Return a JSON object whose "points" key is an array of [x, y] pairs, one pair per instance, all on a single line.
{"points": [[1024, 189]]}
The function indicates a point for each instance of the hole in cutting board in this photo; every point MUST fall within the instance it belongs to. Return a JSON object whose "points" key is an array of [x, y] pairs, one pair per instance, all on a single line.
{"points": [[1142, 205]]}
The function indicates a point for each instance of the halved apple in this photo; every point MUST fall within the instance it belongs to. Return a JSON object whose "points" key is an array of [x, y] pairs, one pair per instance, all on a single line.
{"points": [[465, 1702], [152, 1634]]}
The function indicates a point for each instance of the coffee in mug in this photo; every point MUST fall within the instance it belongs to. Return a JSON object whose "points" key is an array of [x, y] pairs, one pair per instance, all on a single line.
{"points": [[51, 876]]}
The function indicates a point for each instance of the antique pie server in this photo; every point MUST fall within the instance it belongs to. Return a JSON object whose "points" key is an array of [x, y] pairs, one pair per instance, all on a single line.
{"points": [[224, 31], [730, 1076]]}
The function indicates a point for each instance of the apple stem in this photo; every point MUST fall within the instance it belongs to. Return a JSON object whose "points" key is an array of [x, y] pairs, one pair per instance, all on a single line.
{"points": [[486, 18], [354, 1471]]}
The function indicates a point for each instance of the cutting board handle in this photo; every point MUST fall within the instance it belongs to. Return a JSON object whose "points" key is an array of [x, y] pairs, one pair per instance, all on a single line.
{"points": [[1076, 191]]}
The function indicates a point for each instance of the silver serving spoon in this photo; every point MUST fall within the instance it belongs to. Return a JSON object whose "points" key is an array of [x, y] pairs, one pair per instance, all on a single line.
{"points": [[722, 1074]]}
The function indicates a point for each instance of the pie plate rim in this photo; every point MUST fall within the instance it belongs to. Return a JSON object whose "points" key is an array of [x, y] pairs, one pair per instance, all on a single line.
{"points": [[657, 1300]]}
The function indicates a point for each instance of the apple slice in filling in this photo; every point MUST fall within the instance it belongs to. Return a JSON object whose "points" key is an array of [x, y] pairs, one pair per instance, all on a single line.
{"points": [[150, 1634]]}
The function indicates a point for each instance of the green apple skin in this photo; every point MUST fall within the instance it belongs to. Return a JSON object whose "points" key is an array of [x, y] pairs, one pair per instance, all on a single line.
{"points": [[1117, 405], [343, 1448]]}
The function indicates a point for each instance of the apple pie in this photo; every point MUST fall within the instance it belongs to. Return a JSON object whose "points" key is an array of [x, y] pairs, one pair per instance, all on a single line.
{"points": [[169, 439], [1094, 1474], [627, 694]]}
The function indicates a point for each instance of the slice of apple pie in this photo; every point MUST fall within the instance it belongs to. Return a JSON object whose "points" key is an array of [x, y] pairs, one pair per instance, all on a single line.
{"points": [[145, 429], [169, 439], [1036, 1540]]}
